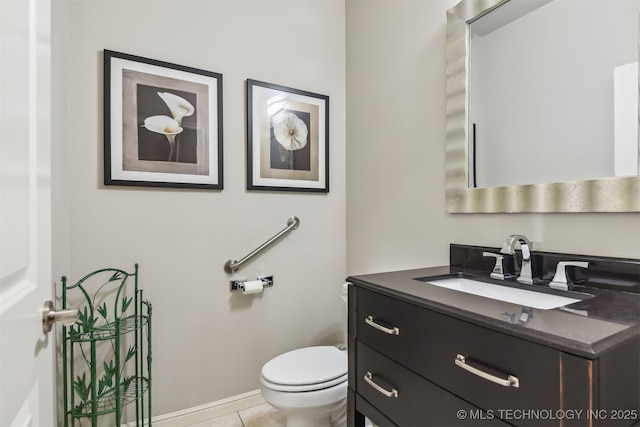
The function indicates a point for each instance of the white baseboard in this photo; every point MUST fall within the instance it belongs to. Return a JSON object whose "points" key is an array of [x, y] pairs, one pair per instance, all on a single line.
{"points": [[201, 413]]}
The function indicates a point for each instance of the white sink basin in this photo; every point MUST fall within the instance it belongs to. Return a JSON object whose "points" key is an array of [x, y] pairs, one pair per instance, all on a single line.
{"points": [[531, 299]]}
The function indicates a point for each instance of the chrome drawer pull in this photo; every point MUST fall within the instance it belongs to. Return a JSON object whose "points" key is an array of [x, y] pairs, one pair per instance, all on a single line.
{"points": [[369, 320], [511, 381], [369, 379]]}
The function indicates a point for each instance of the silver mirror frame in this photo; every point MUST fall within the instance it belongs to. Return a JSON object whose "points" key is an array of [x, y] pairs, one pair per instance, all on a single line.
{"points": [[598, 195]]}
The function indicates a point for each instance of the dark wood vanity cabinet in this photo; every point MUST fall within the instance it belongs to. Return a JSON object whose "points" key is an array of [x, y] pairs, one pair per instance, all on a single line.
{"points": [[412, 366]]}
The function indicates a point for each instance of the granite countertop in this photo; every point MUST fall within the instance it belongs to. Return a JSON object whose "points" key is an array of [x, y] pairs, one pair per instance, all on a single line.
{"points": [[586, 328]]}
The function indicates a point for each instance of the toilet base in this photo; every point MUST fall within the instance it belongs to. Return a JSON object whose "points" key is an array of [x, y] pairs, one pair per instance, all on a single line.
{"points": [[307, 418], [340, 419], [337, 420], [321, 408], [298, 421]]}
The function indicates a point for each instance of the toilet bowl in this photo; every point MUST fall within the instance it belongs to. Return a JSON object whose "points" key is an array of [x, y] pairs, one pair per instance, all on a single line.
{"points": [[308, 385]]}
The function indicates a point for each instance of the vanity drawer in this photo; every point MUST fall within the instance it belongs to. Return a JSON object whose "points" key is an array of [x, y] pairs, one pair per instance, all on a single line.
{"points": [[409, 400], [430, 343], [393, 327], [526, 375]]}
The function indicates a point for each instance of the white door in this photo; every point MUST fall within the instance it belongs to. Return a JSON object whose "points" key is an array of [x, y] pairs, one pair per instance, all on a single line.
{"points": [[26, 353]]}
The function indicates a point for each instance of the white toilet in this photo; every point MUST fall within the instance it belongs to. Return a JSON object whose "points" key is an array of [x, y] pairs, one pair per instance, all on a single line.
{"points": [[308, 385]]}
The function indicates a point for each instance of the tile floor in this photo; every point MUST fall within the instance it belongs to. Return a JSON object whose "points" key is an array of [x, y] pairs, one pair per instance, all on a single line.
{"points": [[259, 416]]}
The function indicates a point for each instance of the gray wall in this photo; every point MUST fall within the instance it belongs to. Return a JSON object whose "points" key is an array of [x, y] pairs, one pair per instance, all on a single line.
{"points": [[395, 154], [208, 343]]}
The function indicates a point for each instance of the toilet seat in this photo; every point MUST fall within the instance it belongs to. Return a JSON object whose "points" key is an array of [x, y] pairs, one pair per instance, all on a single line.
{"points": [[306, 369]]}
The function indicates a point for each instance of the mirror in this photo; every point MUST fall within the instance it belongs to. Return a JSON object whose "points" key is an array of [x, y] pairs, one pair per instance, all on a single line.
{"points": [[575, 119], [521, 78]]}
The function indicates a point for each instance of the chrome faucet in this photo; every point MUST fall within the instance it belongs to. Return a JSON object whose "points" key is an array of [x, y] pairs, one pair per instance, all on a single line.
{"points": [[508, 248], [498, 268], [560, 278]]}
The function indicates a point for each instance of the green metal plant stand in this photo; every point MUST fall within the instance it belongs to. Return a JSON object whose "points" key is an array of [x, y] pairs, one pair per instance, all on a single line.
{"points": [[107, 352]]}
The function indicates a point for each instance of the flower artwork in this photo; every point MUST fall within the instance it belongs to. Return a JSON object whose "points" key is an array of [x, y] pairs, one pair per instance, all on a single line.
{"points": [[166, 126], [174, 147], [291, 136], [287, 139], [179, 107], [290, 131], [162, 124]]}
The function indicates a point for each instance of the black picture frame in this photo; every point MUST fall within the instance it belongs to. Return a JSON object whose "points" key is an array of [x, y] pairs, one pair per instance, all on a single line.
{"points": [[287, 139], [162, 124]]}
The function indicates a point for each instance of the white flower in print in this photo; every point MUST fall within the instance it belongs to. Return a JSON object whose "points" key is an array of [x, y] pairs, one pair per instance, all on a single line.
{"points": [[166, 126], [178, 106], [290, 131]]}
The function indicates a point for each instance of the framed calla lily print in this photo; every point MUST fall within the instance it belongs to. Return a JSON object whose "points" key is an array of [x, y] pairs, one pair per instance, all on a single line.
{"points": [[287, 139], [162, 124]]}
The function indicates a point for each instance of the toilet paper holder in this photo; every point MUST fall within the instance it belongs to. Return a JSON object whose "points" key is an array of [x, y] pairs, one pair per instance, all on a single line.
{"points": [[237, 284]]}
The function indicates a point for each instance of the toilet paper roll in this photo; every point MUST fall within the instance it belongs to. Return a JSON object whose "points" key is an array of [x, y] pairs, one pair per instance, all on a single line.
{"points": [[252, 287]]}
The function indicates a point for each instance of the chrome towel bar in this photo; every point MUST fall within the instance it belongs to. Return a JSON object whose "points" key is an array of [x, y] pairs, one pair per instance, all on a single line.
{"points": [[233, 265]]}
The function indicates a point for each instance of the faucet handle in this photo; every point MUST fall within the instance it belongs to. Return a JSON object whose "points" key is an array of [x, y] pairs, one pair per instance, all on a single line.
{"points": [[498, 270], [559, 280]]}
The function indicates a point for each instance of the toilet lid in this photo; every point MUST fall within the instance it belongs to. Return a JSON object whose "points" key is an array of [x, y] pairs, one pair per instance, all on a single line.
{"points": [[310, 365]]}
